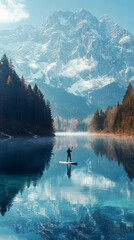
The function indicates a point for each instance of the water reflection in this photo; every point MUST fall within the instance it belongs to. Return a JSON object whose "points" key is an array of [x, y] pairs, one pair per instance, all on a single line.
{"points": [[87, 201], [69, 171], [119, 150], [22, 162]]}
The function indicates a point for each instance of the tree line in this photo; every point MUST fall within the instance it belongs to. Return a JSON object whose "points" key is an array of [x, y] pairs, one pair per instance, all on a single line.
{"points": [[117, 119], [72, 125], [23, 109]]}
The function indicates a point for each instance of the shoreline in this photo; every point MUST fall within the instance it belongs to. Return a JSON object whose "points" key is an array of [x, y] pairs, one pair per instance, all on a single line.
{"points": [[120, 135], [27, 135], [101, 134]]}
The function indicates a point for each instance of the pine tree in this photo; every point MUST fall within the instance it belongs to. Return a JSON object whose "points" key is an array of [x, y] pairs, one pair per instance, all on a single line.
{"points": [[50, 125], [95, 123], [128, 92], [21, 107]]}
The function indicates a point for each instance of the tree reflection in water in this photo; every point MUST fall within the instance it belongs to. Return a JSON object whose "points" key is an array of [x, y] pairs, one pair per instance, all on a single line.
{"points": [[119, 150], [22, 162]]}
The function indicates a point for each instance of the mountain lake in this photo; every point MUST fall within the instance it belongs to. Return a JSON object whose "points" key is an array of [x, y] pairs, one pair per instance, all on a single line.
{"points": [[43, 199]]}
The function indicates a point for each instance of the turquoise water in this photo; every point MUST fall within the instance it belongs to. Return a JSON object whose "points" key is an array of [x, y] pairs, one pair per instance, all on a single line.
{"points": [[43, 199]]}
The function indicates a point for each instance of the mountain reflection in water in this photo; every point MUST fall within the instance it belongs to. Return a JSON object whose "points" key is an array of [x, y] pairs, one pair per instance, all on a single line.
{"points": [[119, 150], [90, 201], [22, 162]]}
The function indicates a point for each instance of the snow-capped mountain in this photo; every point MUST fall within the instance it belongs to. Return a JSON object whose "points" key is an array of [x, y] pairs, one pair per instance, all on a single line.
{"points": [[76, 52]]}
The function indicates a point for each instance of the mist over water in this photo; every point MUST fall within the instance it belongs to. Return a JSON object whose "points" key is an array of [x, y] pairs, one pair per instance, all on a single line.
{"points": [[43, 199], [72, 134]]}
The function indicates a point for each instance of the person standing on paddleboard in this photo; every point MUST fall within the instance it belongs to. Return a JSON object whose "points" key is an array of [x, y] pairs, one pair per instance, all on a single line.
{"points": [[69, 154]]}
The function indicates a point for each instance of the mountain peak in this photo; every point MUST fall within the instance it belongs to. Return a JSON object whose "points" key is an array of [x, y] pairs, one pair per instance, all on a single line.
{"points": [[61, 13], [60, 17], [83, 13], [106, 18], [73, 50], [67, 15]]}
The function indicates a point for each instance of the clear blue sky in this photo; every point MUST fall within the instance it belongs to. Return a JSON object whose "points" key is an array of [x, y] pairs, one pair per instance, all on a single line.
{"points": [[35, 11]]}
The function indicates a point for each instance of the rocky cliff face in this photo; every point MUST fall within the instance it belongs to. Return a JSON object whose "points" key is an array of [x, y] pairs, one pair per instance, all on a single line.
{"points": [[85, 56]]}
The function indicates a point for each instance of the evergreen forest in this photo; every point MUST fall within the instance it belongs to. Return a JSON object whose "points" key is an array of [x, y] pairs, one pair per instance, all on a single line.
{"points": [[117, 119], [23, 109]]}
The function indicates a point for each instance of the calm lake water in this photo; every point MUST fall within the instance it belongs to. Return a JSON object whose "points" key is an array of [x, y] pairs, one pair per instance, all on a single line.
{"points": [[43, 199]]}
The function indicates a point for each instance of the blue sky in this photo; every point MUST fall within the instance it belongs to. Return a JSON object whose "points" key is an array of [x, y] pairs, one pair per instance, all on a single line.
{"points": [[16, 12]]}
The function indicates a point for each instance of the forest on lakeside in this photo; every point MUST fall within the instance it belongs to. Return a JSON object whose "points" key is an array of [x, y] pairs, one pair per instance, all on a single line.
{"points": [[71, 125], [23, 109], [117, 119]]}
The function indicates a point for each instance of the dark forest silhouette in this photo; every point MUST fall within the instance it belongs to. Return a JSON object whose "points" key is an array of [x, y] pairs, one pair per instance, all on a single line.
{"points": [[23, 109], [22, 163]]}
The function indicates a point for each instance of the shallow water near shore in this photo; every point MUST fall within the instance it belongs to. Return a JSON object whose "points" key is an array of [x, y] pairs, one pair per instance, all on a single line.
{"points": [[43, 199]]}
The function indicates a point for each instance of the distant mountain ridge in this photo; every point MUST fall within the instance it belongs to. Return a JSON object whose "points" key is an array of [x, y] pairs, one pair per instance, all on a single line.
{"points": [[76, 52]]}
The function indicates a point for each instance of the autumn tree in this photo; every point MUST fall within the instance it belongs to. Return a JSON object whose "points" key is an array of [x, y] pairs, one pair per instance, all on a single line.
{"points": [[118, 119]]}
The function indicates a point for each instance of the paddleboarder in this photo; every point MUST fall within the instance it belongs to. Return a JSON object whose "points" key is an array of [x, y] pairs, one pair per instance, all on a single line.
{"points": [[69, 154]]}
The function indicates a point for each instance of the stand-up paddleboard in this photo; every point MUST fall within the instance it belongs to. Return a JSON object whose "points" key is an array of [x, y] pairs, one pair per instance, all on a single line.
{"points": [[63, 162]]}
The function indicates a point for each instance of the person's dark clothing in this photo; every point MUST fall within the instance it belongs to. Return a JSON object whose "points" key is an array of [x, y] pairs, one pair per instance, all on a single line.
{"points": [[69, 154]]}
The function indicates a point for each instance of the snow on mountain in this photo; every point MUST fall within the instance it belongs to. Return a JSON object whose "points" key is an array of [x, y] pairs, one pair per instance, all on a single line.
{"points": [[73, 51], [81, 86], [78, 65], [125, 39]]}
